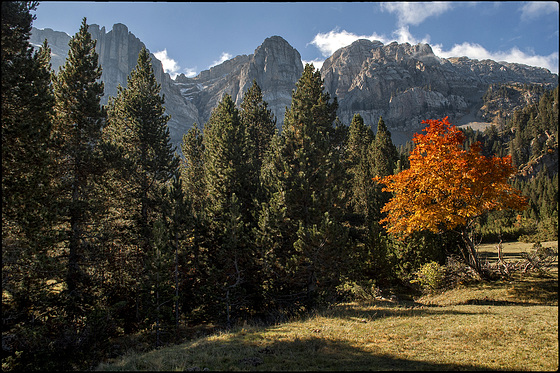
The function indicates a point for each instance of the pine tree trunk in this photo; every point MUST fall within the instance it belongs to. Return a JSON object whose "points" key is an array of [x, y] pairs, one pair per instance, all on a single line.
{"points": [[74, 246]]}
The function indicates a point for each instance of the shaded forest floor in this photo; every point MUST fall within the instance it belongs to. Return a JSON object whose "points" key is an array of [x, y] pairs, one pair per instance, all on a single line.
{"points": [[501, 325]]}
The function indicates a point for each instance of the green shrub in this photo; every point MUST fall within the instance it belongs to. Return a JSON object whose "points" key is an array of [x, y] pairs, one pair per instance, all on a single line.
{"points": [[431, 277], [350, 290]]}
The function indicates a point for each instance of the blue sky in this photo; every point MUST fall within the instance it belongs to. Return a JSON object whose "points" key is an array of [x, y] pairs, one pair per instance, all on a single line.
{"points": [[190, 37]]}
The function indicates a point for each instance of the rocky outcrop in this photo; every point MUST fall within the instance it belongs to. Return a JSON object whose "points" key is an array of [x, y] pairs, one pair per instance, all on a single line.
{"points": [[275, 65], [403, 83], [58, 42], [406, 83]]}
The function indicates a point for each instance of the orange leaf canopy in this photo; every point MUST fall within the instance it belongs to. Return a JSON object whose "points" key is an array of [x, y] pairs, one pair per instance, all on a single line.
{"points": [[447, 186]]}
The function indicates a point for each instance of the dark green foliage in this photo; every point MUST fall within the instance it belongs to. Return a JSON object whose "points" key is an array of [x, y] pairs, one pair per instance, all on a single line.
{"points": [[77, 134], [384, 152], [360, 138], [137, 129], [305, 179], [28, 214], [228, 204], [192, 168], [260, 127], [530, 136]]}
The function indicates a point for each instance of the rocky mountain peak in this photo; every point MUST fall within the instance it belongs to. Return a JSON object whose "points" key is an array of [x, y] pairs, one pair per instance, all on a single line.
{"points": [[275, 65]]}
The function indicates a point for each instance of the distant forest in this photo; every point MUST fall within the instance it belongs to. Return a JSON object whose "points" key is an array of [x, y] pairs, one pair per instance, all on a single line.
{"points": [[107, 231]]}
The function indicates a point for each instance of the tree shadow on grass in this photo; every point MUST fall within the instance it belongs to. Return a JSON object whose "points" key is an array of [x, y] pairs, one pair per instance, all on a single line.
{"points": [[541, 289], [403, 309], [312, 353]]}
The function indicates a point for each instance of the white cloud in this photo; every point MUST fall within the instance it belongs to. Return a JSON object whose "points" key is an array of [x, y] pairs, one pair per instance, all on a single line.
{"points": [[317, 63], [224, 57], [415, 13], [514, 55], [333, 40], [535, 9], [169, 65], [403, 35], [189, 72]]}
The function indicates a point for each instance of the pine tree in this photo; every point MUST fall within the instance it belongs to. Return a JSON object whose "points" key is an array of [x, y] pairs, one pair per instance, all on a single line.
{"points": [[383, 161], [79, 119], [229, 201], [385, 153], [28, 214], [224, 163], [192, 168], [181, 232], [137, 126], [304, 175], [260, 127], [360, 138], [259, 124], [27, 109]]}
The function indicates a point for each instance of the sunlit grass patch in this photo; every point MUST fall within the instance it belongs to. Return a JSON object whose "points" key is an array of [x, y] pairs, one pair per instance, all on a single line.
{"points": [[500, 325]]}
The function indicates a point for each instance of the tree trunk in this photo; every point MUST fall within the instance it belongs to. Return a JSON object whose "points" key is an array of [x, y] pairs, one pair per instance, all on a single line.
{"points": [[471, 253]]}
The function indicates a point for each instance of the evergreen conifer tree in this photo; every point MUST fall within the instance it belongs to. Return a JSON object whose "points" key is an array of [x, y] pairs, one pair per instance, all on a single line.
{"points": [[77, 130], [192, 168], [28, 213], [260, 126], [304, 176], [385, 154], [360, 137], [137, 126], [229, 200]]}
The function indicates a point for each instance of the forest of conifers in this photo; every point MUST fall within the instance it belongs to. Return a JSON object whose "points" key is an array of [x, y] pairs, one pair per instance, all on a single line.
{"points": [[108, 231]]}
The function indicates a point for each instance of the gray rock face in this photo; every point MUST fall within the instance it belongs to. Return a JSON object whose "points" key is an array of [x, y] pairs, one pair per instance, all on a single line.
{"points": [[275, 65], [403, 83], [407, 83], [118, 52]]}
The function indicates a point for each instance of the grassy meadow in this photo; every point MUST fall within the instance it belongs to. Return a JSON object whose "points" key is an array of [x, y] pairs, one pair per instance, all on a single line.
{"points": [[502, 325]]}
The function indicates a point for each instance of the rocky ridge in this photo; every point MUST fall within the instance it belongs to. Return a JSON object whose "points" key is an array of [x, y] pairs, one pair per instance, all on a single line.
{"points": [[406, 83], [403, 83], [276, 66]]}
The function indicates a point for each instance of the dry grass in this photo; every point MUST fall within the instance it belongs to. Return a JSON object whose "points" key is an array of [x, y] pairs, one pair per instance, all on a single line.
{"points": [[503, 325]]}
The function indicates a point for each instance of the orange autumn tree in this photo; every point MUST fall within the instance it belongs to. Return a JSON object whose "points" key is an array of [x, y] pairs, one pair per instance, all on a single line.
{"points": [[447, 187]]}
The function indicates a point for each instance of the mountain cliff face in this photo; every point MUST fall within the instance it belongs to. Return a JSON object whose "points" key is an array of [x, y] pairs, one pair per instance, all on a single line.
{"points": [[276, 66], [118, 54], [403, 83], [407, 83]]}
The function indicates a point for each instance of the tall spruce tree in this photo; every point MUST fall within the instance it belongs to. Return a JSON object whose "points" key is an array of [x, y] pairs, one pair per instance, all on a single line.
{"points": [[385, 154], [78, 123], [137, 126], [227, 185], [192, 168], [28, 214], [260, 126], [224, 162], [304, 175], [383, 161]]}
